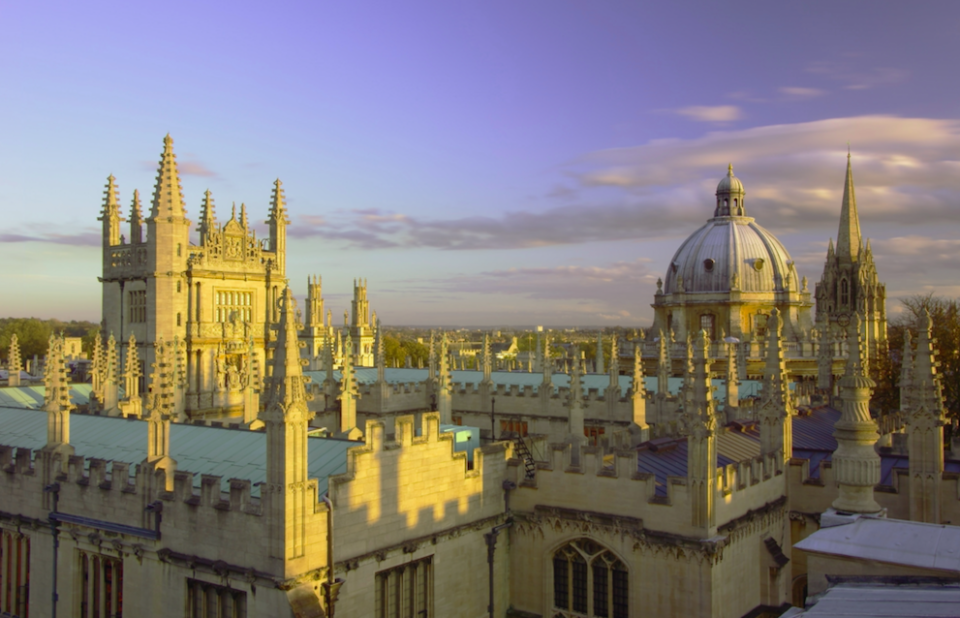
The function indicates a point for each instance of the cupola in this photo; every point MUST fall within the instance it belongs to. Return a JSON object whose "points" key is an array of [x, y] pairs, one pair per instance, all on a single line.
{"points": [[730, 195]]}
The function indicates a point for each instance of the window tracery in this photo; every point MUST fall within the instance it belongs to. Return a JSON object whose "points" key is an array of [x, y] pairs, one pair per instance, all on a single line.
{"points": [[589, 581]]}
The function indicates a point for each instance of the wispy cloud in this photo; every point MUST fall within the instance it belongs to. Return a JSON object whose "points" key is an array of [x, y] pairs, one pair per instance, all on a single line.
{"points": [[706, 113], [798, 92], [186, 167], [560, 295], [793, 175], [853, 77], [81, 238], [195, 168]]}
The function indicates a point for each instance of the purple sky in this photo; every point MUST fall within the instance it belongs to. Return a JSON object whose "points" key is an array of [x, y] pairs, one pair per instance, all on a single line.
{"points": [[483, 162]]}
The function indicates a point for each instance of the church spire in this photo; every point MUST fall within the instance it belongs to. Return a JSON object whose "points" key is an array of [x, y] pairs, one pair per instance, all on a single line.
{"points": [[167, 193], [849, 241]]}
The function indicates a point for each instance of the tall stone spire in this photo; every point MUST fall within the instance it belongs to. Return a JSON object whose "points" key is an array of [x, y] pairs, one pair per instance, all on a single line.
{"points": [[925, 419], [546, 363], [161, 408], [380, 359], [14, 362], [136, 219], [906, 372], [855, 462], [110, 215], [638, 392], [285, 392], [663, 366], [776, 426], [599, 363], [278, 221], [57, 404], [849, 240], [348, 395], [445, 386], [288, 496], [487, 360], [167, 193], [575, 405], [699, 420], [614, 363], [131, 379], [314, 302], [208, 217], [96, 369], [432, 358], [111, 379]]}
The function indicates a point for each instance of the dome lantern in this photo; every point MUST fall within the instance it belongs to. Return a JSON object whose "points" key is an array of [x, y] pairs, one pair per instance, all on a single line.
{"points": [[730, 194]]}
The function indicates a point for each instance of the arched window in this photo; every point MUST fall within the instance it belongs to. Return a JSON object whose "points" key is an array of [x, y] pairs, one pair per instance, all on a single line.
{"points": [[844, 292], [589, 581], [707, 324]]}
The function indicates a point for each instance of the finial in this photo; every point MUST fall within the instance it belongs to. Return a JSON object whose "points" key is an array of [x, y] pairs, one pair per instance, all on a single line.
{"points": [[730, 169]]}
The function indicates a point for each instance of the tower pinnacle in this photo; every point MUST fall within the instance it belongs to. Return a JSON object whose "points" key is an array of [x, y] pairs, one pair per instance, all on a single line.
{"points": [[167, 193]]}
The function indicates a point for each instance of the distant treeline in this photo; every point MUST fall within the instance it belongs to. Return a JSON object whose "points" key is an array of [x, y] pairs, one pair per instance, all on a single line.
{"points": [[34, 335]]}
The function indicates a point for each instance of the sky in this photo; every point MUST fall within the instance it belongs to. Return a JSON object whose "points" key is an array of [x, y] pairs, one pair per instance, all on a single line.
{"points": [[487, 163]]}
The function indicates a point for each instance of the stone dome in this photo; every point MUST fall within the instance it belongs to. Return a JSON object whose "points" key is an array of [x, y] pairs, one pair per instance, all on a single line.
{"points": [[730, 251]]}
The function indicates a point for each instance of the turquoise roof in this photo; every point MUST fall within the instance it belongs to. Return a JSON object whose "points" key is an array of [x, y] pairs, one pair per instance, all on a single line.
{"points": [[32, 396], [598, 381], [228, 453]]}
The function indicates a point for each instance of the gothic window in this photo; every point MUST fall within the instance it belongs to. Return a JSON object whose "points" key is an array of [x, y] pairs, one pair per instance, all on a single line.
{"points": [[179, 284], [706, 323], [588, 582], [206, 600], [844, 292], [179, 320], [179, 249], [14, 574], [233, 302], [137, 306], [101, 586], [406, 590]]}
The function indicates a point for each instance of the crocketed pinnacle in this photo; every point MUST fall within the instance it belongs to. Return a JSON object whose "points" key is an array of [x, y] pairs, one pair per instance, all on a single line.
{"points": [[208, 216], [111, 205], [849, 241], [285, 387], [56, 386], [136, 214], [927, 387], [167, 193], [278, 208]]}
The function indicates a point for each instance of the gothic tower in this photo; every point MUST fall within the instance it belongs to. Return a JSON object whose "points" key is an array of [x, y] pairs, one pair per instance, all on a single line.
{"points": [[849, 283], [168, 242]]}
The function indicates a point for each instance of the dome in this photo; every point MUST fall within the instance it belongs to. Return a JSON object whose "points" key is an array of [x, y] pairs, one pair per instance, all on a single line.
{"points": [[731, 250], [726, 246]]}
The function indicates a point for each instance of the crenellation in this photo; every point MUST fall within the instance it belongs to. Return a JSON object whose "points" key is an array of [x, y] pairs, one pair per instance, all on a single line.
{"points": [[183, 488], [210, 494]]}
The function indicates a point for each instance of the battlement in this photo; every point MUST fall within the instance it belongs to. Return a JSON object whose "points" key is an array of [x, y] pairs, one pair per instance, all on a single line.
{"points": [[412, 486], [614, 480], [112, 480]]}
